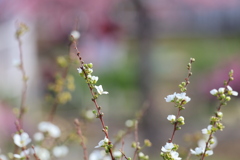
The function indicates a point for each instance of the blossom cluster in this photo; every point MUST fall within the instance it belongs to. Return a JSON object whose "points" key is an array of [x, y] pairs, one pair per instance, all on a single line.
{"points": [[205, 146], [178, 98], [169, 152], [46, 129], [199, 151], [86, 72], [101, 154]]}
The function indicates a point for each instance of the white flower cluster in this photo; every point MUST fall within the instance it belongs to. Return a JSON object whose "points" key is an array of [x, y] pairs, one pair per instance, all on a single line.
{"points": [[178, 98], [202, 143], [199, 151], [207, 130], [172, 119], [101, 155], [169, 150], [102, 143], [91, 79], [45, 128], [142, 156], [21, 140], [222, 90], [53, 131]]}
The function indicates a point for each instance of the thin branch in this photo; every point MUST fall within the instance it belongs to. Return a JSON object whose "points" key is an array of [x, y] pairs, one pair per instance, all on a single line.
{"points": [[104, 128], [136, 140], [24, 79], [79, 132]]}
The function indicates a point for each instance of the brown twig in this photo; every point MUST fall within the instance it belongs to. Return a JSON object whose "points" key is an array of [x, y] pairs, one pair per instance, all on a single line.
{"points": [[100, 114], [136, 140], [34, 154], [79, 132], [24, 78]]}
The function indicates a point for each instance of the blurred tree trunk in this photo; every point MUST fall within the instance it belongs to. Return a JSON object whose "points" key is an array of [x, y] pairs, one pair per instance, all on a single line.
{"points": [[144, 34]]}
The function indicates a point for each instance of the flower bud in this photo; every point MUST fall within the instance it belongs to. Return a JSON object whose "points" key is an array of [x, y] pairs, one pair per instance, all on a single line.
{"points": [[219, 114], [222, 96], [192, 59], [90, 65], [147, 143], [134, 145], [228, 98]]}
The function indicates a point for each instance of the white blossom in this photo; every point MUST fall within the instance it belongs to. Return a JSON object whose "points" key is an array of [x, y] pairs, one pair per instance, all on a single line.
{"points": [[175, 155], [100, 90], [89, 114], [171, 118], [50, 128], [129, 123], [75, 34], [3, 157], [94, 78], [42, 153], [221, 90], [60, 151], [23, 154], [207, 130], [231, 92], [140, 154], [170, 97], [117, 154], [197, 151], [219, 114], [19, 156], [21, 140], [90, 70], [79, 70], [168, 147], [214, 91], [99, 155], [182, 96], [181, 118], [209, 152], [102, 143], [202, 142], [38, 136]]}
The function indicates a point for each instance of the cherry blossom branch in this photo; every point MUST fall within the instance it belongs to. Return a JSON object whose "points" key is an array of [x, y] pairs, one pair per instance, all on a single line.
{"points": [[34, 153], [94, 97], [169, 151], [223, 95], [183, 88], [79, 132], [22, 28]]}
